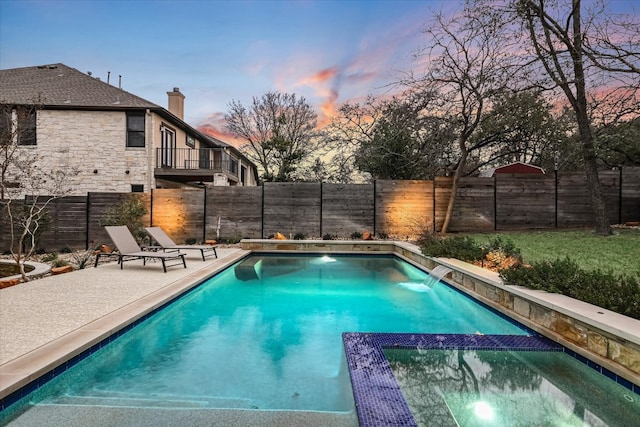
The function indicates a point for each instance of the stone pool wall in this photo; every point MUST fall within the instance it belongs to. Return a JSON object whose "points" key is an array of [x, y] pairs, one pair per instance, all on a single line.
{"points": [[602, 337]]}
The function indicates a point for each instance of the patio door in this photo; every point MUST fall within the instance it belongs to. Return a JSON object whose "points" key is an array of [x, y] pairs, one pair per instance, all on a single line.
{"points": [[205, 158], [168, 147]]}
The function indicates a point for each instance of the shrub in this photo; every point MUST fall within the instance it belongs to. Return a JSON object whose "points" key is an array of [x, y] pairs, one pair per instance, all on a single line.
{"points": [[356, 235], [232, 241], [82, 259], [618, 293], [462, 248], [59, 262], [50, 257], [506, 247], [128, 212], [65, 250], [383, 236], [328, 236], [190, 240], [299, 236]]}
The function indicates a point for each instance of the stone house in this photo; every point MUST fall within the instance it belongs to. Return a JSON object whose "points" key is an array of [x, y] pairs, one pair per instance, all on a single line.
{"points": [[114, 141]]}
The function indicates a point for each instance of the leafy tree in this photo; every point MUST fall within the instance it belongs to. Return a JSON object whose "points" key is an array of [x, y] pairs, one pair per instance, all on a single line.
{"points": [[581, 50], [618, 145], [279, 131], [521, 126], [397, 138], [407, 142]]}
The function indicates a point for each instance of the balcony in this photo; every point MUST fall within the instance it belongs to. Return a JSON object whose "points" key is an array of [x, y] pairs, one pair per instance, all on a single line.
{"points": [[188, 164]]}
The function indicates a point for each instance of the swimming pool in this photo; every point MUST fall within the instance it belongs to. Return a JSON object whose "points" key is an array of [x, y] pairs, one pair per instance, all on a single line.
{"points": [[469, 388], [458, 380], [272, 341]]}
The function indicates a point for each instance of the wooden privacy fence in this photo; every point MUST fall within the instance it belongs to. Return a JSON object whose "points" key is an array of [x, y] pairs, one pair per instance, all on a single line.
{"points": [[396, 208]]}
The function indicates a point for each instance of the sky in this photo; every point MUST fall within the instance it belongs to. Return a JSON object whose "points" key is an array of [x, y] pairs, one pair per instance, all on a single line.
{"points": [[217, 51]]}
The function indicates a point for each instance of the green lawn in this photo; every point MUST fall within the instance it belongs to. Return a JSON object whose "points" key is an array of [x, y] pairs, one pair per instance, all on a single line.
{"points": [[619, 253]]}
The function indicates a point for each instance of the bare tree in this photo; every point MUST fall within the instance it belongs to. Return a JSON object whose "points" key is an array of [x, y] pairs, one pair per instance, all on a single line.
{"points": [[27, 187], [279, 131], [352, 127], [469, 62], [581, 53]]}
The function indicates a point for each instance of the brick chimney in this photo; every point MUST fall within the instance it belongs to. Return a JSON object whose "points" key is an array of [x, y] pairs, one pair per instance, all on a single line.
{"points": [[176, 103]]}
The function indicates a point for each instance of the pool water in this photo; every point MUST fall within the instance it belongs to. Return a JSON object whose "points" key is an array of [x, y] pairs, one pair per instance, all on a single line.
{"points": [[508, 388], [266, 334]]}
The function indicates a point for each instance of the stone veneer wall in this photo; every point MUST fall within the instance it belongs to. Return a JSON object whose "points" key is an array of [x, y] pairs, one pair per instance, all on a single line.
{"points": [[88, 141], [617, 353]]}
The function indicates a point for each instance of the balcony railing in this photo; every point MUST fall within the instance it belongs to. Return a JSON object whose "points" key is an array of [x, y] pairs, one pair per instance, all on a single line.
{"points": [[203, 159]]}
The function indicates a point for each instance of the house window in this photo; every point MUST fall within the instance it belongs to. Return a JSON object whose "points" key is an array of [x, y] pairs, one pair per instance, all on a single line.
{"points": [[135, 129], [137, 188], [27, 127], [6, 127], [18, 126]]}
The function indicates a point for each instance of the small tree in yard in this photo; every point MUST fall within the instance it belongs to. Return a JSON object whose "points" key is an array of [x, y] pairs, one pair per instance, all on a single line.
{"points": [[470, 67], [26, 188], [127, 212]]}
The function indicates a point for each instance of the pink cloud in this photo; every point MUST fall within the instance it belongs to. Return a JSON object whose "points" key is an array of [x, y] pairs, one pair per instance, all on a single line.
{"points": [[214, 126], [320, 77], [346, 74]]}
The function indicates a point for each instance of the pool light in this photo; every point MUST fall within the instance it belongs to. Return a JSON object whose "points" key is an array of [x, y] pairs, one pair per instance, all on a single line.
{"points": [[483, 411]]}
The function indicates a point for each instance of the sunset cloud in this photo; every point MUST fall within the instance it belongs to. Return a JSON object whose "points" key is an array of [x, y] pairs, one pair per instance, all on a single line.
{"points": [[214, 125], [319, 77]]}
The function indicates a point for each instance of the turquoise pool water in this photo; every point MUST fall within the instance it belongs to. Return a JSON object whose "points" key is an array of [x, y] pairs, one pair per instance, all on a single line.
{"points": [[474, 388], [266, 334]]}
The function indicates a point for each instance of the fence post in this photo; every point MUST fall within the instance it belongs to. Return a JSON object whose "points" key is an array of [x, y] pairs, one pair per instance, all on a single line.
{"points": [[495, 202], [375, 195], [555, 196], [151, 209], [620, 196], [433, 200], [262, 213], [321, 209], [204, 216]]}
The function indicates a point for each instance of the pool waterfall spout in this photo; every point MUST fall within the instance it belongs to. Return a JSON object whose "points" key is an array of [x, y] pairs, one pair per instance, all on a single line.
{"points": [[438, 273]]}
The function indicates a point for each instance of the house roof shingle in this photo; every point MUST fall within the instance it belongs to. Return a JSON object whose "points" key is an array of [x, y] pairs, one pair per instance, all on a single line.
{"points": [[58, 85]]}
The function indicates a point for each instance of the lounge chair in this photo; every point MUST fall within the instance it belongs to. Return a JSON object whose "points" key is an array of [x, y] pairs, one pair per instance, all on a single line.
{"points": [[166, 243], [128, 249]]}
